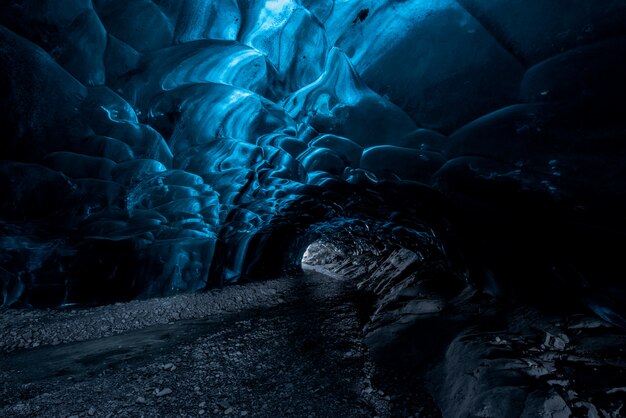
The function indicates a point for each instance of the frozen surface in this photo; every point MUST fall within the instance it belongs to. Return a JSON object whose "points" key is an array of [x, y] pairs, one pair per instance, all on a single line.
{"points": [[157, 147]]}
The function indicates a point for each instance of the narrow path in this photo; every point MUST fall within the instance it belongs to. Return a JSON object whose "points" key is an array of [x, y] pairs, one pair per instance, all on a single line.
{"points": [[301, 357]]}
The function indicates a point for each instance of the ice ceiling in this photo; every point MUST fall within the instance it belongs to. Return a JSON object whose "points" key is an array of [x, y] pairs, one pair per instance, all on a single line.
{"points": [[153, 147]]}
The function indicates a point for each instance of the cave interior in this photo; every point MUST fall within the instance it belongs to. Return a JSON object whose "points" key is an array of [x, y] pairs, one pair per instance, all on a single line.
{"points": [[460, 162]]}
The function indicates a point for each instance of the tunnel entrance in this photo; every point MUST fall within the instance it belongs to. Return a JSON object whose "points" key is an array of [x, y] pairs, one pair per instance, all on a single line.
{"points": [[354, 248], [371, 253], [323, 252]]}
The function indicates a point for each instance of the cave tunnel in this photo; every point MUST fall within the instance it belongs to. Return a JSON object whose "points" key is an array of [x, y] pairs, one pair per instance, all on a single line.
{"points": [[420, 205]]}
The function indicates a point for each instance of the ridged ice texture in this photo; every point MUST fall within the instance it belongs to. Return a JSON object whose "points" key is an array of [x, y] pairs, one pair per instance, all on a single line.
{"points": [[340, 102], [153, 147], [206, 61], [199, 113], [291, 37], [203, 19]]}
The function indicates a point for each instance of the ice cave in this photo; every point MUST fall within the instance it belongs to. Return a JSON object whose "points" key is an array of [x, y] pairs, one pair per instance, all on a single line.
{"points": [[313, 208]]}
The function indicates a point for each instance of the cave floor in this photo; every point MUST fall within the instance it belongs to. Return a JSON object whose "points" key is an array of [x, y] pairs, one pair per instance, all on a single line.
{"points": [[285, 347]]}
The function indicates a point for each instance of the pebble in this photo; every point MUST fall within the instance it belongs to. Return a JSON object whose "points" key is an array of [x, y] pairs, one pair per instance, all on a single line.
{"points": [[169, 366], [91, 411], [141, 399], [164, 392]]}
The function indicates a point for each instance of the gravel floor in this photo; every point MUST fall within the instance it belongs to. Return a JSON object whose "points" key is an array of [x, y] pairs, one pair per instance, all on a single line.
{"points": [[286, 347]]}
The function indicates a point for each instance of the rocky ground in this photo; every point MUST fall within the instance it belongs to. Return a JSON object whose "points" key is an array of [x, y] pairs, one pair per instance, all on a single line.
{"points": [[385, 335], [285, 347], [485, 357]]}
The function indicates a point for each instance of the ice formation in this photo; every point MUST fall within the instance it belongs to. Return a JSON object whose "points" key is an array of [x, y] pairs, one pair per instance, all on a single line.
{"points": [[154, 147]]}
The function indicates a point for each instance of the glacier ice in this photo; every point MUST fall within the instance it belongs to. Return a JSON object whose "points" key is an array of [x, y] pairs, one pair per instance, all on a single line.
{"points": [[73, 34], [293, 40], [80, 166], [426, 56], [203, 19], [534, 31], [155, 147], [409, 164], [199, 113], [206, 61], [349, 151], [339, 102], [139, 23], [43, 131]]}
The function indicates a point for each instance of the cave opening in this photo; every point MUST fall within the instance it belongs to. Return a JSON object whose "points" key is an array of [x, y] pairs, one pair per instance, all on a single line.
{"points": [[355, 245], [323, 252], [344, 251]]}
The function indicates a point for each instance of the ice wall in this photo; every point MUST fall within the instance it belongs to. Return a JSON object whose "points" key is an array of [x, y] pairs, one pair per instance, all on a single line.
{"points": [[153, 147]]}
